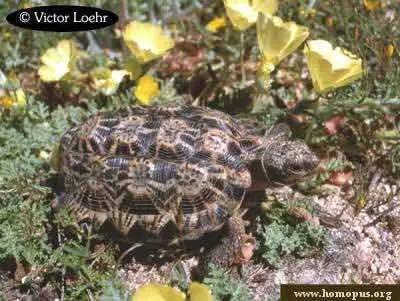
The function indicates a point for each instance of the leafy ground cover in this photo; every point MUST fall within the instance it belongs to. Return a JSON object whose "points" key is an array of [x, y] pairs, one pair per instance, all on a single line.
{"points": [[354, 128]]}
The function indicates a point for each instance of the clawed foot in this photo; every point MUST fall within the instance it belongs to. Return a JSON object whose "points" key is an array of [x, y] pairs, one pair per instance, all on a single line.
{"points": [[236, 249], [246, 250]]}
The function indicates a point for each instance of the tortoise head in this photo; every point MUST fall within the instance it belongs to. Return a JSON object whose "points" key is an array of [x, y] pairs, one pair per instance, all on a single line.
{"points": [[284, 160]]}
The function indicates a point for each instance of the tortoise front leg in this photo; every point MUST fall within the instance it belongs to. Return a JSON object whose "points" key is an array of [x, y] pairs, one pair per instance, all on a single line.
{"points": [[234, 250]]}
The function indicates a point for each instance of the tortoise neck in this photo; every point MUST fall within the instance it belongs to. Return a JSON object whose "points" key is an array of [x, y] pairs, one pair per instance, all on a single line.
{"points": [[259, 180]]}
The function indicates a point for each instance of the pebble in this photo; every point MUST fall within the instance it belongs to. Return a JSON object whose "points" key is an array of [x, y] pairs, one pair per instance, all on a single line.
{"points": [[373, 233]]}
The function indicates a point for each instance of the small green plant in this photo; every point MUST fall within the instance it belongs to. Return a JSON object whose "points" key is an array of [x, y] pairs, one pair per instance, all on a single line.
{"points": [[225, 287], [280, 234], [112, 292], [26, 141]]}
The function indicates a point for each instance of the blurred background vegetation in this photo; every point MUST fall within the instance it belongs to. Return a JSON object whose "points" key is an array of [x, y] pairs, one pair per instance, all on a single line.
{"points": [[354, 130]]}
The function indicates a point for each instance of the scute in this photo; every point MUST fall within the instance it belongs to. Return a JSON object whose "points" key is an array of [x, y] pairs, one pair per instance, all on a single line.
{"points": [[157, 166]]}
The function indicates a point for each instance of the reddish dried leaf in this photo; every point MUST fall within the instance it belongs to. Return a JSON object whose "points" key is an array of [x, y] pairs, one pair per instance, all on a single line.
{"points": [[333, 125], [341, 178]]}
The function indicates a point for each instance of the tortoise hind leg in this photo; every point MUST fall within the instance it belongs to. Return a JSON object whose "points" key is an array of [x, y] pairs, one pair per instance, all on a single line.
{"points": [[232, 252]]}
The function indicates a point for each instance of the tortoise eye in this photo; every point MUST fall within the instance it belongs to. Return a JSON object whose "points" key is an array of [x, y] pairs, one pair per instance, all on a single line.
{"points": [[297, 167]]}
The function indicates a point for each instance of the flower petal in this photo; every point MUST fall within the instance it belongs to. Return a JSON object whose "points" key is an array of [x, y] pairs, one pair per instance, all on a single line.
{"points": [[158, 292], [146, 41], [56, 61], [277, 39], [19, 97], [199, 292], [52, 73], [243, 13], [6, 102], [146, 89], [331, 68], [106, 81], [372, 4], [216, 24]]}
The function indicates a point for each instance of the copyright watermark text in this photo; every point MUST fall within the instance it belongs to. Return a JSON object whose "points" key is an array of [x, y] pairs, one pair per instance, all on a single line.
{"points": [[62, 18]]}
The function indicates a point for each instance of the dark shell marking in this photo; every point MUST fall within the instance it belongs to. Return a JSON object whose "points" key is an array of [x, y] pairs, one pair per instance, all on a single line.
{"points": [[150, 167]]}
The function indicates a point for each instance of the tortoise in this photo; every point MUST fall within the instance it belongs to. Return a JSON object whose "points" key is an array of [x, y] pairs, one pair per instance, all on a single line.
{"points": [[175, 172]]}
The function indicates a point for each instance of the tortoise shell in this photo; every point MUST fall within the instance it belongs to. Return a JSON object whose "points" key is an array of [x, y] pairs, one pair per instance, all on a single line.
{"points": [[155, 167]]}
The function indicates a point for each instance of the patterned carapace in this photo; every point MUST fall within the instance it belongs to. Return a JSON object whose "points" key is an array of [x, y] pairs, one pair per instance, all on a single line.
{"points": [[159, 166], [150, 166]]}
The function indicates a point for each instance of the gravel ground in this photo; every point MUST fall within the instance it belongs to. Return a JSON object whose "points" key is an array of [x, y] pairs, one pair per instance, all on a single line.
{"points": [[363, 246]]}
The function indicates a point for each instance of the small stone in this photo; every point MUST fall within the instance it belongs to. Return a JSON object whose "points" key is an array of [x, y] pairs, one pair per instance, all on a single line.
{"points": [[374, 268], [280, 278], [373, 233]]}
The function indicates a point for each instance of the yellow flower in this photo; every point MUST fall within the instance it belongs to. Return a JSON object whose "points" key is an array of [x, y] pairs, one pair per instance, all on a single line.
{"points": [[331, 68], [243, 13], [216, 24], [146, 41], [372, 4], [107, 81], [389, 50], [146, 89], [199, 292], [56, 61], [13, 98], [158, 292], [308, 12], [19, 97], [6, 102], [6, 34], [44, 155], [277, 39]]}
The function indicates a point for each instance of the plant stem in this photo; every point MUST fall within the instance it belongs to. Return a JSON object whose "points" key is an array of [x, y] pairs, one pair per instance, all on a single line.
{"points": [[242, 57], [314, 113]]}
